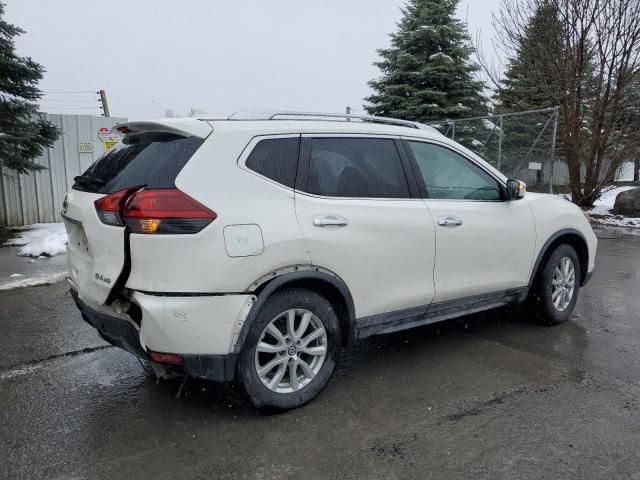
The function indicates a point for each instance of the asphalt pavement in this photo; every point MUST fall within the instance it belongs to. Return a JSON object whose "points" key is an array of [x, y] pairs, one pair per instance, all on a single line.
{"points": [[488, 396]]}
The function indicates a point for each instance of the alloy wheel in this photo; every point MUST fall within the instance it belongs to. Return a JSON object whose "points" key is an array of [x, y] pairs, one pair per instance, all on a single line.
{"points": [[563, 284], [291, 351]]}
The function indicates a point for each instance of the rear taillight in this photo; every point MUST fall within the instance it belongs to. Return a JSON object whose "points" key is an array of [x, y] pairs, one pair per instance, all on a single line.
{"points": [[109, 208], [165, 211]]}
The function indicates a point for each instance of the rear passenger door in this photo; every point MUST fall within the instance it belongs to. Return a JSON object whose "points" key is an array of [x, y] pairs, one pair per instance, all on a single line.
{"points": [[363, 221]]}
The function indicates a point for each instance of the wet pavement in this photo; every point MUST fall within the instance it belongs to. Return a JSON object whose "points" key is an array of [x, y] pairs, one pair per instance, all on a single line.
{"points": [[489, 396]]}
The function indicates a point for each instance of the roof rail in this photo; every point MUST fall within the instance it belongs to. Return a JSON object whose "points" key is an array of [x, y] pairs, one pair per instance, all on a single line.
{"points": [[292, 115]]}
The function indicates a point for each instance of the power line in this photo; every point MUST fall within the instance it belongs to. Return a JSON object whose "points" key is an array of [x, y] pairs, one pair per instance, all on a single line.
{"points": [[91, 107], [64, 100], [80, 91]]}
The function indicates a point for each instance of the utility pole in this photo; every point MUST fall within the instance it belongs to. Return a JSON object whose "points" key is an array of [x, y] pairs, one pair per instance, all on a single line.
{"points": [[105, 105], [554, 134]]}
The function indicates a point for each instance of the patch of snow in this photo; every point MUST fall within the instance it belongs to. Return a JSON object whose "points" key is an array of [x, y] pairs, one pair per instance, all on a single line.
{"points": [[489, 124], [476, 143], [45, 279], [16, 275], [40, 239], [605, 203], [614, 220], [441, 56], [601, 211]]}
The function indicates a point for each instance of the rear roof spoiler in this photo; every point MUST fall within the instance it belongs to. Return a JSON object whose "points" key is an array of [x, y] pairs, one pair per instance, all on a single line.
{"points": [[185, 127]]}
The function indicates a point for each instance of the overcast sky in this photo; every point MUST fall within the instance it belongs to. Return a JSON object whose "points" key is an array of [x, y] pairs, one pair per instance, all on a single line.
{"points": [[214, 55]]}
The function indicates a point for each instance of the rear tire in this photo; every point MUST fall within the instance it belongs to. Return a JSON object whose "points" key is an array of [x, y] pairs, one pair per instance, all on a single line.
{"points": [[291, 350], [556, 287]]}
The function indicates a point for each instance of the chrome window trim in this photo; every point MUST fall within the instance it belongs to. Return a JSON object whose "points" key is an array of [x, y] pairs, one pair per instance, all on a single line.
{"points": [[376, 199]]}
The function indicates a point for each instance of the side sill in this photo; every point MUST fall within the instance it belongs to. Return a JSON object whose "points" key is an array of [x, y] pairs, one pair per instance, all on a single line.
{"points": [[436, 312]]}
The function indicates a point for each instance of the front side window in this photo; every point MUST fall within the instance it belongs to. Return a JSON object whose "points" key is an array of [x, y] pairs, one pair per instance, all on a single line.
{"points": [[448, 175], [276, 158], [356, 168]]}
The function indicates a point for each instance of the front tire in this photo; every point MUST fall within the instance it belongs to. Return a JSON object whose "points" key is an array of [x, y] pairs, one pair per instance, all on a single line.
{"points": [[291, 350], [556, 288]]}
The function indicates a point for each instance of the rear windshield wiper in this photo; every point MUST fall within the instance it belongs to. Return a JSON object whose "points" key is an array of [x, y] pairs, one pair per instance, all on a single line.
{"points": [[88, 179]]}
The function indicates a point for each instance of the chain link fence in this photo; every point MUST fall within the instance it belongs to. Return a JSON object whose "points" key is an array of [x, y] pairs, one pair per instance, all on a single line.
{"points": [[521, 145]]}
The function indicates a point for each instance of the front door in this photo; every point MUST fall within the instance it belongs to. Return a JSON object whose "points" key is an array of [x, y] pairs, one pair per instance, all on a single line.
{"points": [[484, 244], [361, 222]]}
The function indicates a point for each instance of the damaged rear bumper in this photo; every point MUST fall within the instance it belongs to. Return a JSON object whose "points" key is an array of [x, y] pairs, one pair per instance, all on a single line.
{"points": [[125, 334]]}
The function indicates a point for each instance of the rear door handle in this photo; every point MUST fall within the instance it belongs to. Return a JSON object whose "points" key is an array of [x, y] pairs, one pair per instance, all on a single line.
{"points": [[330, 221], [450, 221]]}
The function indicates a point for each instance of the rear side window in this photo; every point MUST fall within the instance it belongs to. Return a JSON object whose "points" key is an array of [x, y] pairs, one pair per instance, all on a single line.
{"points": [[276, 158], [153, 160], [356, 167]]}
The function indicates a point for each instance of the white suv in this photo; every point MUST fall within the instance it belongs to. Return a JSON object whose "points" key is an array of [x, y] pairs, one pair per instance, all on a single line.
{"points": [[254, 250]]}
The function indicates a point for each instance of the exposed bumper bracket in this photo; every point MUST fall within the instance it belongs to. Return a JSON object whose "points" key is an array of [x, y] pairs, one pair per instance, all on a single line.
{"points": [[114, 330]]}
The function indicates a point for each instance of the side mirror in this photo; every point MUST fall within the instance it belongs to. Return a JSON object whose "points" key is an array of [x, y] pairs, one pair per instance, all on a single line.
{"points": [[515, 189]]}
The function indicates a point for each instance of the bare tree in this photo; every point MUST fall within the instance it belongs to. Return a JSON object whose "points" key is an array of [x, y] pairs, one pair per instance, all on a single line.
{"points": [[588, 68]]}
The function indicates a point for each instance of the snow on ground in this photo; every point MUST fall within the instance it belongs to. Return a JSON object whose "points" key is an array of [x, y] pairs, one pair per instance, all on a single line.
{"points": [[605, 203], [34, 256], [40, 239], [17, 280], [602, 210]]}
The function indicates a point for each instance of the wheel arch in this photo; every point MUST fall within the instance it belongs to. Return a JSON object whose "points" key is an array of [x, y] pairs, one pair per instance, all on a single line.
{"points": [[326, 284], [567, 236]]}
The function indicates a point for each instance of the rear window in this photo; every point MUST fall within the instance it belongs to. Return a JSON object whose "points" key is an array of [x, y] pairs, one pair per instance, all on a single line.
{"points": [[277, 159], [152, 160]]}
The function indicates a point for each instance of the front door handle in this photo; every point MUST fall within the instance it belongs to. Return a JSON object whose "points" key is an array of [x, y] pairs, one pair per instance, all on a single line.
{"points": [[330, 221], [450, 221]]}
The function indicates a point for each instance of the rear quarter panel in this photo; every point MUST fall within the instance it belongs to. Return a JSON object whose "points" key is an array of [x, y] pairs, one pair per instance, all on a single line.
{"points": [[199, 263]]}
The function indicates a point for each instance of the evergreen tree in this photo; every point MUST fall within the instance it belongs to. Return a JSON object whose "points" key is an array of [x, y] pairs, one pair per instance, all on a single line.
{"points": [[427, 74], [23, 132], [528, 82]]}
